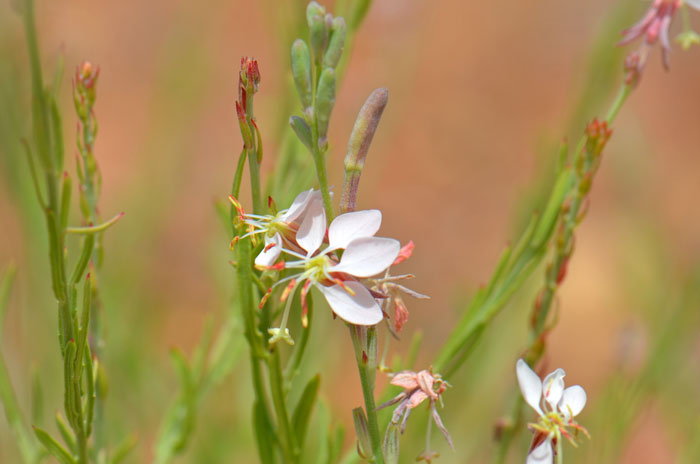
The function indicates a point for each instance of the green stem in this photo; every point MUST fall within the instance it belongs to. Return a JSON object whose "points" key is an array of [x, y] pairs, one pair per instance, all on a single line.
{"points": [[367, 374], [622, 95], [245, 297], [320, 162], [287, 439]]}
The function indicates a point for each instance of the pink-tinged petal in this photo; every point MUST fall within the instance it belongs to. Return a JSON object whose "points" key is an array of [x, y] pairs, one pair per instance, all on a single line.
{"points": [[405, 379], [298, 206], [365, 257], [572, 401], [312, 230], [693, 4], [553, 387], [405, 253], [272, 250], [543, 454], [530, 385], [350, 226], [359, 309], [416, 398]]}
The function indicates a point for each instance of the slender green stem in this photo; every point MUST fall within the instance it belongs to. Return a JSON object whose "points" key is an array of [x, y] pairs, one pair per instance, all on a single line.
{"points": [[287, 439], [560, 454], [622, 95], [367, 371], [320, 162]]}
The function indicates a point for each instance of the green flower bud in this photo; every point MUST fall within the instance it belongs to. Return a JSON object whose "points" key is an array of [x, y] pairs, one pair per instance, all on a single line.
{"points": [[335, 44], [302, 129], [319, 29], [301, 70], [391, 444], [364, 444], [314, 9], [325, 99]]}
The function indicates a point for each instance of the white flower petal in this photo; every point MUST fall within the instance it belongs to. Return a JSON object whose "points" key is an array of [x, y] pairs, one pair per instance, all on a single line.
{"points": [[543, 454], [359, 309], [573, 399], [693, 4], [530, 385], [312, 230], [365, 257], [553, 387], [350, 226], [268, 256], [298, 206]]}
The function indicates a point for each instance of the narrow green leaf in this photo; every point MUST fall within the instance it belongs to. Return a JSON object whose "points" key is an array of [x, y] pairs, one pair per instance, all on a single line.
{"points": [[65, 200], [264, 434], [70, 401], [95, 229], [548, 219], [53, 447], [56, 134], [500, 268], [82, 330], [304, 408], [92, 376], [66, 432]]}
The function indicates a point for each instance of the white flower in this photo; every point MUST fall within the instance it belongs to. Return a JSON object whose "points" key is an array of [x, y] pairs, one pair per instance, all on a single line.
{"points": [[557, 406], [542, 454], [693, 4], [364, 255], [281, 229]]}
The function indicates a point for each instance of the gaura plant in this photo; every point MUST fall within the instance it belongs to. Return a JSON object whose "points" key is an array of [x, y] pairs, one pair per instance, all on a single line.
{"points": [[284, 259]]}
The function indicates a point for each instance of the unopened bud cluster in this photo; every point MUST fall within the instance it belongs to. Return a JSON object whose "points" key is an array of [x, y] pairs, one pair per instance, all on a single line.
{"points": [[314, 70]]}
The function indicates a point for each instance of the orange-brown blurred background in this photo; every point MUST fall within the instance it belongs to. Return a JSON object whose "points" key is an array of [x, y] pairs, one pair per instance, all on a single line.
{"points": [[480, 95]]}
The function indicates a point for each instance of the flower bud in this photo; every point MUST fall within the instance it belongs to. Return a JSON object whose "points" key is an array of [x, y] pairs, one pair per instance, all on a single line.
{"points": [[302, 129], [391, 444], [358, 145], [301, 70], [318, 30], [364, 444], [335, 44], [325, 99]]}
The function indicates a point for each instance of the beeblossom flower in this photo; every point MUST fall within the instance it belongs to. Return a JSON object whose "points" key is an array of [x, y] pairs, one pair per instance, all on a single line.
{"points": [[418, 387], [300, 233], [393, 305], [557, 406], [654, 27]]}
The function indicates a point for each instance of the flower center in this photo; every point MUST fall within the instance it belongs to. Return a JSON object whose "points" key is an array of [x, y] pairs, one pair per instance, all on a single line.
{"points": [[316, 267]]}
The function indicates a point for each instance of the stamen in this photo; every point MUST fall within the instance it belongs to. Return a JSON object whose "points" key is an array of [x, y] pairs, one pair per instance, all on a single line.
{"points": [[304, 306], [344, 287], [238, 206], [275, 267], [290, 287], [263, 300], [269, 246], [233, 242]]}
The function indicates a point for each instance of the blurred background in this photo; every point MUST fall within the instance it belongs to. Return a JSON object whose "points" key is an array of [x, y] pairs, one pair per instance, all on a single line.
{"points": [[481, 93]]}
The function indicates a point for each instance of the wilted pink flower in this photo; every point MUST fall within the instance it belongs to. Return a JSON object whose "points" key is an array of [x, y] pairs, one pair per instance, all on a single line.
{"points": [[393, 304], [654, 27], [418, 387]]}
